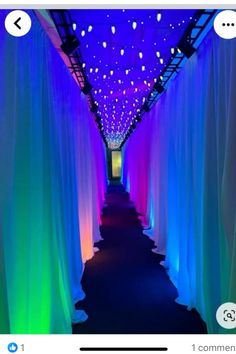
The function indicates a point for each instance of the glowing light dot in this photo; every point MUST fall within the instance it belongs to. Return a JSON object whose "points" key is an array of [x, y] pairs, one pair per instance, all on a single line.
{"points": [[173, 50], [111, 72], [122, 51], [143, 68], [161, 61], [83, 33], [158, 16], [141, 55], [74, 26], [113, 29], [104, 43], [158, 54], [90, 28], [134, 25]]}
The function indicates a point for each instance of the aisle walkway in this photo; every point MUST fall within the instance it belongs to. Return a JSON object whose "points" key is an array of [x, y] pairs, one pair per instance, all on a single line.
{"points": [[127, 291]]}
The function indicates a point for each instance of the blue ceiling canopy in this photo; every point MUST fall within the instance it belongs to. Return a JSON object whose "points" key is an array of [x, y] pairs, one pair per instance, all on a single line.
{"points": [[123, 53]]}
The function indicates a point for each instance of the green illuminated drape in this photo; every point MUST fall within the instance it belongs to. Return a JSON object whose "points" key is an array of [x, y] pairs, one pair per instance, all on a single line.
{"points": [[41, 115]]}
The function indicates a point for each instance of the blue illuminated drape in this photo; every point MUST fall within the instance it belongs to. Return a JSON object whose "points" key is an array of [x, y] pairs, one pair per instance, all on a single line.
{"points": [[190, 162], [45, 171]]}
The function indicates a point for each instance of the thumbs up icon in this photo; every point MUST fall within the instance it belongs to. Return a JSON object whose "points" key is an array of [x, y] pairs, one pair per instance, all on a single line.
{"points": [[12, 347]]}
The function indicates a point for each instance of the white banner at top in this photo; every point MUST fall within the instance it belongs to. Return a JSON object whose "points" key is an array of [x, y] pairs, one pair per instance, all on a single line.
{"points": [[118, 3]]}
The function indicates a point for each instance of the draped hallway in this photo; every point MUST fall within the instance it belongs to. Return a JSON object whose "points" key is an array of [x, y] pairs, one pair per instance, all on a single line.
{"points": [[117, 173]]}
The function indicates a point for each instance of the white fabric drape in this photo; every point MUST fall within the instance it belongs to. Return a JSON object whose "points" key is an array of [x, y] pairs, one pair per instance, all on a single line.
{"points": [[48, 185], [189, 162]]}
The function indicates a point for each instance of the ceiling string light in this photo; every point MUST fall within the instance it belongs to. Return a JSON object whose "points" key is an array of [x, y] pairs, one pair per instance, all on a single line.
{"points": [[121, 84]]}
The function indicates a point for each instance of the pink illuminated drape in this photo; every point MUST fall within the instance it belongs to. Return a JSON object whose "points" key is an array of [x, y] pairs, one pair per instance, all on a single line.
{"points": [[91, 182]]}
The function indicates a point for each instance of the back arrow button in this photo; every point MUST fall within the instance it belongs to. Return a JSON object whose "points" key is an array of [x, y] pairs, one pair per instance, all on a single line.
{"points": [[16, 23]]}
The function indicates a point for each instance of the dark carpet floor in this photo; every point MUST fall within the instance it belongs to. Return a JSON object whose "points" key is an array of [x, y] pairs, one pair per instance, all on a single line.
{"points": [[127, 291]]}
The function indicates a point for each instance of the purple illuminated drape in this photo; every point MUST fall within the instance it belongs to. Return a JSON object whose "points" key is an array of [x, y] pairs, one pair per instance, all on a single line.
{"points": [[188, 194]]}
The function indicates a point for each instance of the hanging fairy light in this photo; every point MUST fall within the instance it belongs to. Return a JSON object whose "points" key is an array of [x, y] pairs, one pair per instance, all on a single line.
{"points": [[158, 54], [122, 51], [90, 28], [141, 55], [74, 26], [134, 25], [113, 29], [172, 50], [104, 43], [83, 33], [159, 16]]}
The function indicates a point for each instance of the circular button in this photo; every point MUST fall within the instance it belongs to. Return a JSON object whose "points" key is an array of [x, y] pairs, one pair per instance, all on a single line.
{"points": [[12, 347], [18, 23], [226, 315], [224, 24]]}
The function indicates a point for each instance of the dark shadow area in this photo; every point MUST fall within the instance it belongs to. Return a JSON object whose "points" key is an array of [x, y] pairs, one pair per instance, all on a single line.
{"points": [[127, 291]]}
